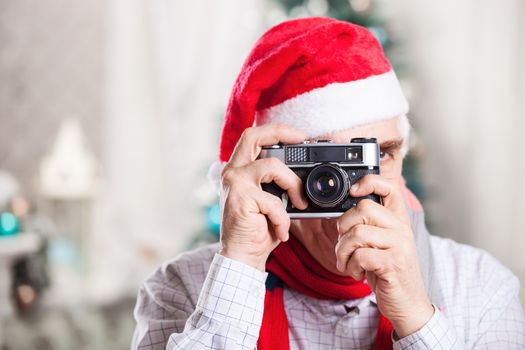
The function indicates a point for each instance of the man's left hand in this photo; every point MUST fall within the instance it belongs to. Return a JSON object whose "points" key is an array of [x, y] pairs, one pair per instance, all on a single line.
{"points": [[377, 241]]}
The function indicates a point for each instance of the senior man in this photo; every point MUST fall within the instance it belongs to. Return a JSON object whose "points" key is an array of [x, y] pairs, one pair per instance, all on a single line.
{"points": [[373, 278]]}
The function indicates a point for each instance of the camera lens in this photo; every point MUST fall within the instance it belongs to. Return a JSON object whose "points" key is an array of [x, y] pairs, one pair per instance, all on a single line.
{"points": [[327, 185]]}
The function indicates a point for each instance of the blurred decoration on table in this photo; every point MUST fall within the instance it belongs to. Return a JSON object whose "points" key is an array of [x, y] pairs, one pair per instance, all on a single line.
{"points": [[69, 171], [67, 187], [43, 240], [30, 279], [23, 265]]}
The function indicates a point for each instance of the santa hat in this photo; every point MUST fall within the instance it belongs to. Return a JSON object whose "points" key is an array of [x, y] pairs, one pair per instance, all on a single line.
{"points": [[318, 75]]}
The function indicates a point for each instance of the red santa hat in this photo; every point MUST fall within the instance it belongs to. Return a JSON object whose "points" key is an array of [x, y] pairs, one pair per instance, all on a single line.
{"points": [[317, 74]]}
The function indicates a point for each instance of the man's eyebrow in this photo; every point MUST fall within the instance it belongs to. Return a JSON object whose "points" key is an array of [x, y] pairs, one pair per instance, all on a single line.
{"points": [[391, 144]]}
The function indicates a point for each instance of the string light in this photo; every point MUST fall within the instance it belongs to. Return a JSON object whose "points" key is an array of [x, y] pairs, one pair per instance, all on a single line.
{"points": [[361, 5], [317, 7]]}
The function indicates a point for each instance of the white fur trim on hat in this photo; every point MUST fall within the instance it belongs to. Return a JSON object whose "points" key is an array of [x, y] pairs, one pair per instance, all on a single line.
{"points": [[214, 175], [340, 106]]}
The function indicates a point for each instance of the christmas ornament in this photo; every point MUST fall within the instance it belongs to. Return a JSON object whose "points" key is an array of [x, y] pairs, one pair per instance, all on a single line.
{"points": [[213, 218], [9, 224]]}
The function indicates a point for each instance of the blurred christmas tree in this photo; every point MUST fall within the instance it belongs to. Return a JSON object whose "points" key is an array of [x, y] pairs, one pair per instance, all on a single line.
{"points": [[367, 14], [362, 12]]}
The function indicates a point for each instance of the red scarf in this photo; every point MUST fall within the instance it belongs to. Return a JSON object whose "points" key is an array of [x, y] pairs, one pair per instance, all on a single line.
{"points": [[292, 264]]}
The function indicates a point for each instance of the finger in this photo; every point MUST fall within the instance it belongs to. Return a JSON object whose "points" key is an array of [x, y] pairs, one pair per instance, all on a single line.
{"points": [[249, 145], [272, 169], [386, 188], [361, 236], [367, 212], [272, 207], [371, 278], [368, 260]]}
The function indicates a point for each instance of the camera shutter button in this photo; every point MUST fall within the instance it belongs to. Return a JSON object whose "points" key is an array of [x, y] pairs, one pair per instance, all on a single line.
{"points": [[363, 140]]}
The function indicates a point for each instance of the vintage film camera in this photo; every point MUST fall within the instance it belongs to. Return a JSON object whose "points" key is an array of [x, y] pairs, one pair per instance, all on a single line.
{"points": [[327, 170]]}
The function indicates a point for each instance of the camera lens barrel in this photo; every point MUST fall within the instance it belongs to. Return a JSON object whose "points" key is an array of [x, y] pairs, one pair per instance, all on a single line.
{"points": [[327, 185]]}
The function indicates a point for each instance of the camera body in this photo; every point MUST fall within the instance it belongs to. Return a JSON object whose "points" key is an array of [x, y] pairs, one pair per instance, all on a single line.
{"points": [[327, 171]]}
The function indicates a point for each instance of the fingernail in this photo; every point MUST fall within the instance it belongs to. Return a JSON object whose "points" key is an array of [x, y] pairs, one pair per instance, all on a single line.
{"points": [[305, 202], [354, 187], [338, 266]]}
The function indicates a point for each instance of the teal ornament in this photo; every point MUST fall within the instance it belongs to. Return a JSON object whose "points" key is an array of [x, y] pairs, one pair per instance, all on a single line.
{"points": [[379, 33], [9, 224], [213, 218]]}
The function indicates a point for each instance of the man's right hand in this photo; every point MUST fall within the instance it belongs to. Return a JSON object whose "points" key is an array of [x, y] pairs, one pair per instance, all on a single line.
{"points": [[253, 221]]}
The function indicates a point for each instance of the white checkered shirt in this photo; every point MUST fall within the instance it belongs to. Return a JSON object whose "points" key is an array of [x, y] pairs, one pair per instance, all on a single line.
{"points": [[202, 300]]}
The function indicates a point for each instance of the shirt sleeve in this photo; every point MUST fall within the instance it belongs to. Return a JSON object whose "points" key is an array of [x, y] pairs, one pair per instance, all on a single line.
{"points": [[501, 326], [228, 313], [437, 333]]}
